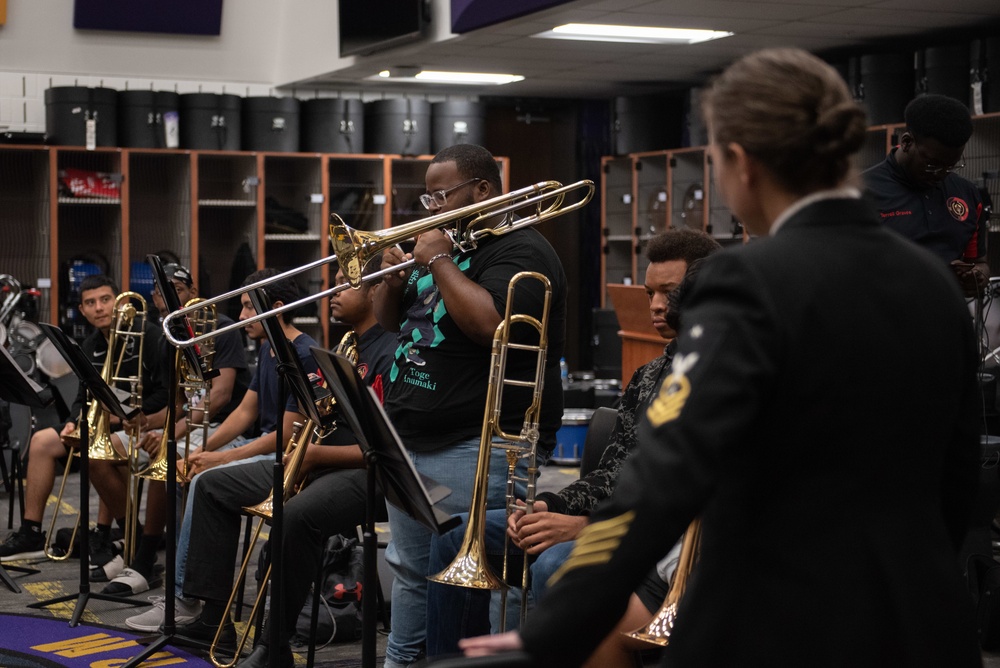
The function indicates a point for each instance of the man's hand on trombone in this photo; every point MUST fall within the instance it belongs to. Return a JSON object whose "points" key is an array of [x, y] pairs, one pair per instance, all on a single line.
{"points": [[202, 461], [539, 530], [390, 258]]}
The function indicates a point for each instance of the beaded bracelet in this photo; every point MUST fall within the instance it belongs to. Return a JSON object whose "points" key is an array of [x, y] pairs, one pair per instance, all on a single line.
{"points": [[436, 258]]}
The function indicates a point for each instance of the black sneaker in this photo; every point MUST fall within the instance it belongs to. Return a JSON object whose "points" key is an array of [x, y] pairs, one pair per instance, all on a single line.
{"points": [[201, 634], [23, 545], [102, 548]]}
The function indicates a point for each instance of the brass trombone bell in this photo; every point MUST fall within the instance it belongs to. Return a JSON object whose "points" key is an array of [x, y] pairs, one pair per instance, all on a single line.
{"points": [[355, 248], [659, 629]]}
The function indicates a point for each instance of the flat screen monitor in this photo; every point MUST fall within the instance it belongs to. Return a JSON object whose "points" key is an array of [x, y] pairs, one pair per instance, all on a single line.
{"points": [[368, 26], [183, 17]]}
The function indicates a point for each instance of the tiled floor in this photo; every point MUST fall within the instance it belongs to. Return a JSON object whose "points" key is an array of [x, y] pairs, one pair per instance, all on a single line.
{"points": [[59, 578]]}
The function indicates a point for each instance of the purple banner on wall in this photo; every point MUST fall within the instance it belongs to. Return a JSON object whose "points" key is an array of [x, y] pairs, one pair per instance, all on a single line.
{"points": [[468, 15], [181, 17]]}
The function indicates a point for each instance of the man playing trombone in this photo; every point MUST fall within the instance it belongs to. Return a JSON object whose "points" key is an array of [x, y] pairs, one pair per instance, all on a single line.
{"points": [[446, 311], [97, 299], [331, 500]]}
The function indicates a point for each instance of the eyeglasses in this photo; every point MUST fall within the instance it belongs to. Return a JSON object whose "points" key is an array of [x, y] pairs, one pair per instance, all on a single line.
{"points": [[937, 171], [440, 197]]}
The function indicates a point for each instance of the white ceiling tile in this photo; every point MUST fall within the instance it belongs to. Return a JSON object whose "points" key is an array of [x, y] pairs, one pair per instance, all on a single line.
{"points": [[590, 69]]}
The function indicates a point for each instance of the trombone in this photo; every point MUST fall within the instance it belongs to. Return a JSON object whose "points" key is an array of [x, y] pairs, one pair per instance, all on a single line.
{"points": [[657, 632], [197, 390], [127, 324], [297, 445], [355, 248], [470, 567]]}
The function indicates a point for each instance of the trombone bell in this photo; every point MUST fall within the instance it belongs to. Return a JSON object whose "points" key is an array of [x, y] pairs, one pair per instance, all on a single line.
{"points": [[661, 626]]}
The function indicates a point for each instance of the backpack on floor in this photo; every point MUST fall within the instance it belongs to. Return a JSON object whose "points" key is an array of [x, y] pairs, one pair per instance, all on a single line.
{"points": [[339, 617]]}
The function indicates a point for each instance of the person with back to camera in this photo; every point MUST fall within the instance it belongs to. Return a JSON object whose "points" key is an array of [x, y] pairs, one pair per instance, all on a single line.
{"points": [[446, 311], [829, 472], [919, 194]]}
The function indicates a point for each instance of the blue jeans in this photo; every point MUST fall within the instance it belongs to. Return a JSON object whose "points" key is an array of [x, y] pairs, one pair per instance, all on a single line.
{"points": [[184, 535], [408, 552], [454, 612]]}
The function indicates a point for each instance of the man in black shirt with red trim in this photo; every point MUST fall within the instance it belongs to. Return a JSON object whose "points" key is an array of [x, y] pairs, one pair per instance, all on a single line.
{"points": [[918, 194]]}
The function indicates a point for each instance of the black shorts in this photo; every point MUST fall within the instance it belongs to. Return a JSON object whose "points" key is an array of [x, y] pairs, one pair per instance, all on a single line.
{"points": [[652, 591]]}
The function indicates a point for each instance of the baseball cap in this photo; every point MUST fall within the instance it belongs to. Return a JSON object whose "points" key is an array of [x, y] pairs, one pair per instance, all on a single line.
{"points": [[177, 272]]}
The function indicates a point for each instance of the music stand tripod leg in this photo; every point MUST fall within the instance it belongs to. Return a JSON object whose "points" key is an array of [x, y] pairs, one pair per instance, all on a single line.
{"points": [[169, 630], [9, 581], [84, 595]]}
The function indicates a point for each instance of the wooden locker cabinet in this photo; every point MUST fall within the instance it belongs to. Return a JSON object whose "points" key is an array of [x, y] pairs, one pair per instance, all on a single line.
{"points": [[644, 193], [617, 226], [26, 206], [215, 210], [406, 174]]}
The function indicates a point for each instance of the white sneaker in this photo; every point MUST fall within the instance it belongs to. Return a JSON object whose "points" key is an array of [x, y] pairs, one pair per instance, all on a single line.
{"points": [[185, 612]]}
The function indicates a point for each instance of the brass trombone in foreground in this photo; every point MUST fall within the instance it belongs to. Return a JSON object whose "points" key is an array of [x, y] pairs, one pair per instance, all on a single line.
{"points": [[657, 631], [126, 335], [355, 248], [470, 567]]}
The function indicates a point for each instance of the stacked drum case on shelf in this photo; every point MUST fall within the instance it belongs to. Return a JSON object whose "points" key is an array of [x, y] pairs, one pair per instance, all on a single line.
{"points": [[210, 121], [270, 124], [457, 122], [400, 126], [69, 109], [946, 71], [886, 86], [148, 119], [333, 125]]}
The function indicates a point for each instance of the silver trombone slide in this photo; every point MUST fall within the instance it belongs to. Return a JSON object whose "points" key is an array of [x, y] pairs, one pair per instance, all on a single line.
{"points": [[503, 204]]}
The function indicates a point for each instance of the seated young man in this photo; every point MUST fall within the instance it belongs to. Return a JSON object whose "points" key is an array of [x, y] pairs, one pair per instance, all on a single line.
{"points": [[332, 502], [97, 300], [226, 445], [548, 533], [225, 393]]}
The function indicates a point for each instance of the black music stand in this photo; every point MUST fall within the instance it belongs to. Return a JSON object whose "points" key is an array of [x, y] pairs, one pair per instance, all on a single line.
{"points": [[197, 365], [290, 370], [389, 467], [112, 401], [17, 388]]}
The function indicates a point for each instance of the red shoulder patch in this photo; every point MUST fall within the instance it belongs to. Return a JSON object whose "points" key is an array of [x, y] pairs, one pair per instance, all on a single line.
{"points": [[958, 209]]}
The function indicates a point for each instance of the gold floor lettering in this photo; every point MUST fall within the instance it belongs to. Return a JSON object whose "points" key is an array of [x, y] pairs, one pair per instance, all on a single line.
{"points": [[158, 659], [97, 643]]}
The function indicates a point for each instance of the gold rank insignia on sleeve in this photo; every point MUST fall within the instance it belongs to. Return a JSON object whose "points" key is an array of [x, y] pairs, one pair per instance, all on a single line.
{"points": [[595, 544], [673, 392]]}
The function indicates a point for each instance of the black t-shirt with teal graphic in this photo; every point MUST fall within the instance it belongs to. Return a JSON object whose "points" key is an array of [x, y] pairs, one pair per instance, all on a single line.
{"points": [[438, 380]]}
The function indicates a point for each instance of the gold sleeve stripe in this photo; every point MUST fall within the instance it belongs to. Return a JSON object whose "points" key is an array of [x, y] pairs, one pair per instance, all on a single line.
{"points": [[595, 544], [607, 545]]}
